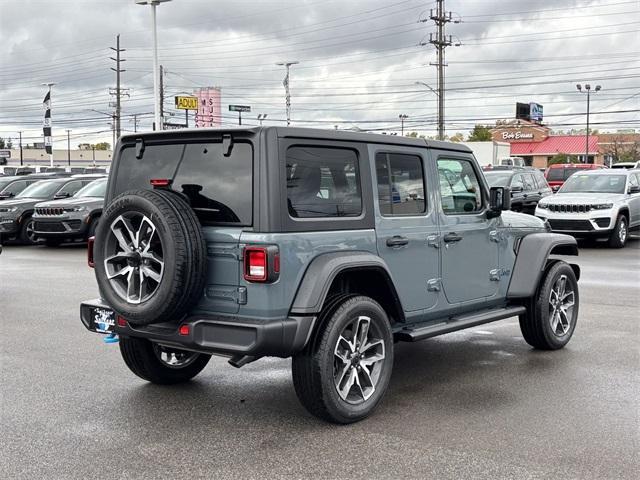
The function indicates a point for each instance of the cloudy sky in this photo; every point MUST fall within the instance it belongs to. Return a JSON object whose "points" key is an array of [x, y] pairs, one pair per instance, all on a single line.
{"points": [[359, 61]]}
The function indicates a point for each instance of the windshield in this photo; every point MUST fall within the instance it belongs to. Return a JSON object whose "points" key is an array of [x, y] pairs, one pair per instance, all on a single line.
{"points": [[94, 189], [43, 189], [498, 179], [582, 183], [4, 183]]}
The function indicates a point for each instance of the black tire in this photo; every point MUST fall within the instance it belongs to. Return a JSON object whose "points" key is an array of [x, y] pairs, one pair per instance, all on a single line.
{"points": [[620, 233], [184, 253], [313, 369], [26, 236], [142, 358], [536, 323]]}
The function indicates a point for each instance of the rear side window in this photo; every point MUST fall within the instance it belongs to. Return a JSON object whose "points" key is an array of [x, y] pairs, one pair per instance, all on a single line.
{"points": [[219, 188], [323, 182], [400, 184], [529, 183]]}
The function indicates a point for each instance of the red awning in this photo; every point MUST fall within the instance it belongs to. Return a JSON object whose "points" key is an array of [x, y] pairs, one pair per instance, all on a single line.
{"points": [[568, 144]]}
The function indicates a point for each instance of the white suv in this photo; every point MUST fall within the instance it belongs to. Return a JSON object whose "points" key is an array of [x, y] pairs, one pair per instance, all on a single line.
{"points": [[595, 203]]}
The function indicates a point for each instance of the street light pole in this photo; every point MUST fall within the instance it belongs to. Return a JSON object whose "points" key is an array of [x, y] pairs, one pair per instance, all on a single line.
{"points": [[68, 147], [402, 118], [20, 148], [287, 65], [156, 73], [587, 88]]}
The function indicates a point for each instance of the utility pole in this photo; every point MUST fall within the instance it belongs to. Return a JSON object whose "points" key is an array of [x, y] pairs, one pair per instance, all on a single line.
{"points": [[440, 41], [287, 65], [118, 90], [161, 106], [20, 133], [68, 147]]}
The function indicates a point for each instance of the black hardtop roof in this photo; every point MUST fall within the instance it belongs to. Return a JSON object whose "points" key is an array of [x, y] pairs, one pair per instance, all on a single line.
{"points": [[315, 133]]}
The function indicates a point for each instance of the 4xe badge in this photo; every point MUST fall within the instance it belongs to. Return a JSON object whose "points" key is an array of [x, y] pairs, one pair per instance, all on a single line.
{"points": [[104, 320]]}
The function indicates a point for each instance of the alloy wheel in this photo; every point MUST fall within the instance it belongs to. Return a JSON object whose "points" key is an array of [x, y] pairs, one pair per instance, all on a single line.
{"points": [[30, 232], [622, 232], [134, 260], [358, 360], [561, 304]]}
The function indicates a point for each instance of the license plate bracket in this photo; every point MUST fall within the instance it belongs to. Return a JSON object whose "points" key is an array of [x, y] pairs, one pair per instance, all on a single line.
{"points": [[103, 320]]}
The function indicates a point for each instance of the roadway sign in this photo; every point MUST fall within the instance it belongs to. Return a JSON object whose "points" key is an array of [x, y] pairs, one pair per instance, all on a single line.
{"points": [[239, 108], [5, 153], [187, 103]]}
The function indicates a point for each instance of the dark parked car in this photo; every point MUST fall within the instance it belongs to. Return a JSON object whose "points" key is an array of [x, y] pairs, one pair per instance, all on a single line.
{"points": [[16, 221], [13, 185], [325, 246], [75, 218], [528, 186]]}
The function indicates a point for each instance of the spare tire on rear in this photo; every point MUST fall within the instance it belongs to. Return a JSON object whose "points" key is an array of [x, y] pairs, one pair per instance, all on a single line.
{"points": [[150, 256]]}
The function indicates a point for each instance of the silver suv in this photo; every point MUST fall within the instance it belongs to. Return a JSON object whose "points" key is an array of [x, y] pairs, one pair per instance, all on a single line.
{"points": [[595, 203]]}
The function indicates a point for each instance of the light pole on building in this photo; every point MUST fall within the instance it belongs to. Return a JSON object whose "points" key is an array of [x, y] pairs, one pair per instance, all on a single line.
{"points": [[587, 89], [402, 118], [156, 72]]}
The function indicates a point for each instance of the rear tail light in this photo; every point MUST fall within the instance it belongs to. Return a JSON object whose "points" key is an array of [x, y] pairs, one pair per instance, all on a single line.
{"points": [[90, 243], [122, 322], [261, 264], [160, 182], [184, 330]]}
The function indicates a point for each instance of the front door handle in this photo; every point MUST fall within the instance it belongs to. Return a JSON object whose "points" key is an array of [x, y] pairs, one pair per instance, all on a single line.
{"points": [[397, 241], [452, 237]]}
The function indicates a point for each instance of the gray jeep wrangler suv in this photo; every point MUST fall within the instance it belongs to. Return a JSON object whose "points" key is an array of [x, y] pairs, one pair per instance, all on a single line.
{"points": [[325, 246]]}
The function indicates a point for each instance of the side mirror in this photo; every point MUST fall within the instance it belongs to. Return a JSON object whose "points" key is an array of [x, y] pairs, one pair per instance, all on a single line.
{"points": [[4, 196], [59, 196], [516, 189], [634, 189], [499, 200]]}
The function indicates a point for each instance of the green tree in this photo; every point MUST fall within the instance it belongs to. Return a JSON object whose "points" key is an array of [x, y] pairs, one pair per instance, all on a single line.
{"points": [[2, 143], [480, 133], [102, 146], [412, 135], [458, 137]]}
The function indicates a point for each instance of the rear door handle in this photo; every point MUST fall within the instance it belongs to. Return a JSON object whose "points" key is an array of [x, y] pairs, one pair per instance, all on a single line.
{"points": [[397, 241], [452, 237]]}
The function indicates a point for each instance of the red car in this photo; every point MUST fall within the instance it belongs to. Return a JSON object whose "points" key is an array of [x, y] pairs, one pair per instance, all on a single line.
{"points": [[557, 174]]}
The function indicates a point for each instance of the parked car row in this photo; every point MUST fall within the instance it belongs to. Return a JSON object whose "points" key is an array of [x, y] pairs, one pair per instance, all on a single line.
{"points": [[11, 170], [49, 207]]}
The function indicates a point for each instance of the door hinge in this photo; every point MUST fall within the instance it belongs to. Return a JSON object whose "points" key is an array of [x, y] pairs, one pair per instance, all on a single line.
{"points": [[433, 285], [238, 295], [433, 241]]}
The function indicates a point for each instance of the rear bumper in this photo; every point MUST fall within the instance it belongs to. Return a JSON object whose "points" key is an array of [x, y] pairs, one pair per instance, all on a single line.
{"points": [[219, 335]]}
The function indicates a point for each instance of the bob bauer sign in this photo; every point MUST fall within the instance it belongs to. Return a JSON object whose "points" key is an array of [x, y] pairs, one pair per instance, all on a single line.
{"points": [[517, 135]]}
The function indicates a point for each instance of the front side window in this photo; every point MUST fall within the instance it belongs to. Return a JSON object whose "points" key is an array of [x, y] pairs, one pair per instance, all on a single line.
{"points": [[400, 184], [460, 190], [70, 188], [96, 188], [516, 181], [529, 183], [323, 182]]}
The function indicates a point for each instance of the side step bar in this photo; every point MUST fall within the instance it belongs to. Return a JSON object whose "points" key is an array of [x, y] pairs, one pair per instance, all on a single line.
{"points": [[415, 333]]}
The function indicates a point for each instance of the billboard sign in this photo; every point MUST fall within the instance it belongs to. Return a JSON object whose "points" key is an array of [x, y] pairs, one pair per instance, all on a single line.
{"points": [[535, 112], [208, 113], [186, 103], [5, 153]]}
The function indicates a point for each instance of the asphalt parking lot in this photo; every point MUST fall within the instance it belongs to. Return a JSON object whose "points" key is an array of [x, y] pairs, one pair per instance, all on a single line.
{"points": [[474, 404]]}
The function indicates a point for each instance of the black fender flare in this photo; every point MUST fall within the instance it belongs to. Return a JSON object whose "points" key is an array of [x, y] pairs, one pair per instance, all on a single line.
{"points": [[321, 272], [532, 260]]}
